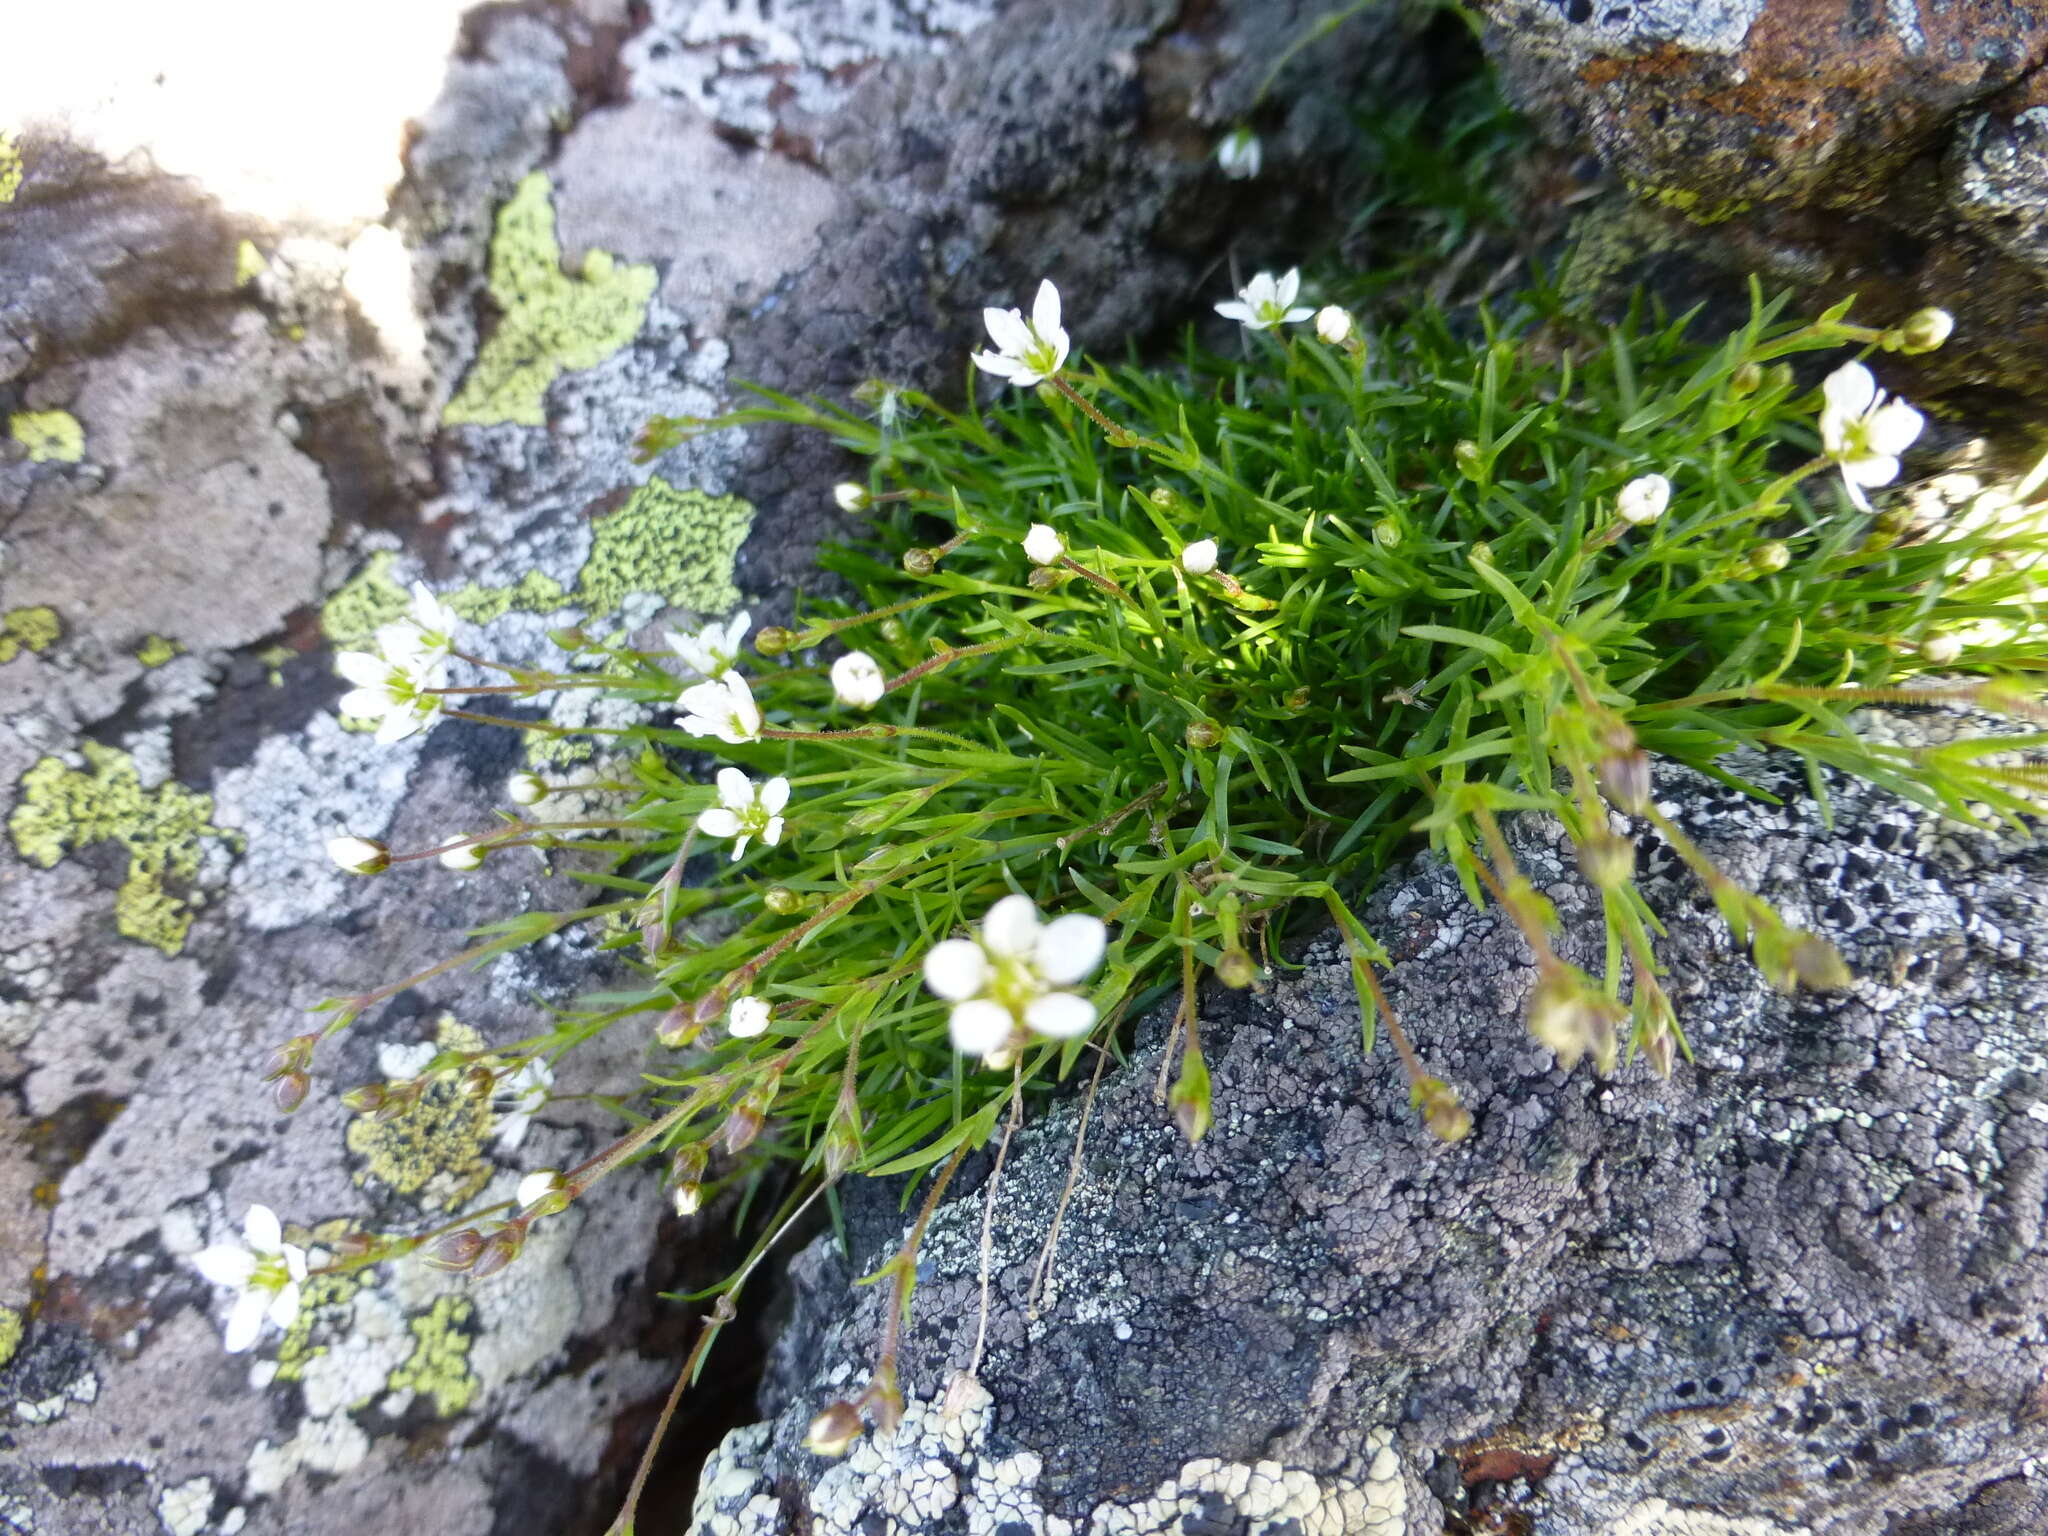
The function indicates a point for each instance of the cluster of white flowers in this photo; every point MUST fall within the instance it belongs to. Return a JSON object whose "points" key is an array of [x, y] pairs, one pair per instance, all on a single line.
{"points": [[263, 1270], [395, 683], [1016, 975]]}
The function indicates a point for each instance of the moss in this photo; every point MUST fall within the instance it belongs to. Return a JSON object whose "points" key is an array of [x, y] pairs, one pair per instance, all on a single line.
{"points": [[10, 1333], [552, 321], [48, 436], [63, 808], [28, 629], [434, 1153], [367, 599], [438, 1366], [680, 544], [155, 650], [10, 168]]}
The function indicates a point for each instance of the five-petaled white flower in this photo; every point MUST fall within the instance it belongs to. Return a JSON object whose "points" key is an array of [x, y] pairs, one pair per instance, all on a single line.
{"points": [[747, 1017], [1199, 558], [1240, 155], [518, 1099], [1043, 544], [1643, 500], [1015, 974], [711, 651], [1027, 351], [427, 629], [1266, 301], [395, 689], [723, 708], [264, 1268], [1863, 431], [857, 680], [747, 810]]}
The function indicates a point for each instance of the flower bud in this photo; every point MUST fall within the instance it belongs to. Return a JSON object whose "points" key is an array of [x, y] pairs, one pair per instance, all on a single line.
{"points": [[1163, 497], [710, 1006], [499, 1250], [1941, 649], [893, 631], [526, 789], [782, 901], [1189, 1098], [1925, 330], [1236, 969], [1565, 1013], [1661, 1051], [1298, 698], [1043, 545], [477, 1081], [1470, 461], [687, 1198], [1480, 553], [1447, 1119], [1199, 558], [851, 497], [834, 1430], [464, 858], [741, 1127], [1333, 324], [1044, 578], [964, 1395], [366, 1100], [290, 1091], [1608, 861], [457, 1250], [352, 1246], [1202, 734], [542, 1193], [1768, 559], [570, 638], [858, 681], [842, 1144], [1625, 780], [679, 1026], [1386, 533], [1239, 155], [1643, 500], [920, 561], [1745, 380], [293, 1056], [359, 855], [773, 640]]}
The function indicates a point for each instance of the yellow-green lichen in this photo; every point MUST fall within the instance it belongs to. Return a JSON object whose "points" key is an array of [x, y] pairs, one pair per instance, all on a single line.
{"points": [[367, 599], [434, 1152], [680, 544], [1683, 200], [48, 436], [63, 808], [10, 168], [551, 321], [10, 1333], [249, 264], [438, 1366], [28, 629], [323, 1296], [535, 592], [155, 650]]}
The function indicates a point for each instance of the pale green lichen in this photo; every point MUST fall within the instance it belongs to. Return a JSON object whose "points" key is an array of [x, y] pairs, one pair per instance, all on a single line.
{"points": [[679, 544], [10, 1333], [28, 629], [48, 436], [156, 650], [323, 1295], [434, 1152], [367, 599], [63, 808], [10, 168], [438, 1366], [551, 321]]}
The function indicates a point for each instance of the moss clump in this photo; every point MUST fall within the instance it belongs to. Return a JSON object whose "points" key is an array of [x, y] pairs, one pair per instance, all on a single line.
{"points": [[552, 321], [64, 808], [48, 436], [680, 544], [28, 629], [438, 1366]]}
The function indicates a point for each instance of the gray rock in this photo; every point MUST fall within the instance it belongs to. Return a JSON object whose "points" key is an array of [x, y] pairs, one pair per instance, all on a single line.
{"points": [[1798, 1288]]}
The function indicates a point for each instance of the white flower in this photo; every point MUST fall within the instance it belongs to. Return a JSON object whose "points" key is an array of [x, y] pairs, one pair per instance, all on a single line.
{"points": [[1266, 301], [359, 855], [526, 789], [1043, 544], [857, 680], [427, 631], [1016, 974], [748, 810], [1863, 431], [1333, 324], [747, 1017], [541, 1184], [724, 708], [393, 689], [1941, 649], [518, 1099], [464, 858], [1199, 558], [1239, 156], [1643, 500], [851, 497], [1027, 351], [711, 652], [264, 1268]]}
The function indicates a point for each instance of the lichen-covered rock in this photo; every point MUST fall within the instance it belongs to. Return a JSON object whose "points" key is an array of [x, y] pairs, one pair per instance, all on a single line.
{"points": [[245, 399], [1797, 1289], [1886, 152]]}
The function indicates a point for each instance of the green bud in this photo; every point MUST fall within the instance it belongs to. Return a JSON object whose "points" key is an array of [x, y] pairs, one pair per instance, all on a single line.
{"points": [[893, 631], [1202, 734], [1236, 969], [1447, 1119], [1768, 559], [1625, 780], [920, 561], [1923, 331], [773, 640], [1163, 497], [782, 901], [456, 1251], [1189, 1099], [1745, 380], [366, 1100], [1470, 461], [1607, 860], [1386, 533], [290, 1091], [1481, 553], [678, 1027], [1044, 578], [570, 638], [499, 1250], [834, 1430]]}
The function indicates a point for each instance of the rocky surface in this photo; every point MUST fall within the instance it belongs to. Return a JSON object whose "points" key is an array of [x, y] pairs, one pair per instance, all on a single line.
{"points": [[1797, 1289], [1894, 152], [398, 317]]}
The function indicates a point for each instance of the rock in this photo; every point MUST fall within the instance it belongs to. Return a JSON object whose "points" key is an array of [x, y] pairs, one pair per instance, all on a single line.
{"points": [[251, 386], [1890, 153], [1798, 1288]]}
